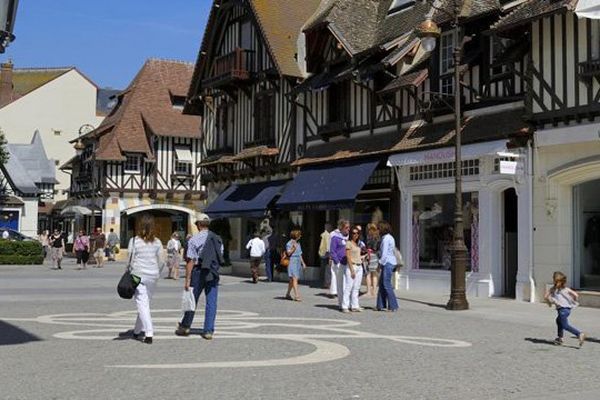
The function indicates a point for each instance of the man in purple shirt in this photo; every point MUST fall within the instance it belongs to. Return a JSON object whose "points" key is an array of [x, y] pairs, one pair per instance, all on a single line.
{"points": [[337, 253]]}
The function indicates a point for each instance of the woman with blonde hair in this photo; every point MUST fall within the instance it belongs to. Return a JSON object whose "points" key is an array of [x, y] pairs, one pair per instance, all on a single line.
{"points": [[293, 250], [372, 260], [146, 257]]}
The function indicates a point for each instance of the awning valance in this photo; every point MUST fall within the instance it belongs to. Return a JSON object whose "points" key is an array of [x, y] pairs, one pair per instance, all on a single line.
{"points": [[184, 155], [251, 200], [80, 210], [328, 186], [446, 154]]}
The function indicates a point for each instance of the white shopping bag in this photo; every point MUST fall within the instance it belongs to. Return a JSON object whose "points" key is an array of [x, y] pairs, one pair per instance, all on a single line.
{"points": [[188, 302]]}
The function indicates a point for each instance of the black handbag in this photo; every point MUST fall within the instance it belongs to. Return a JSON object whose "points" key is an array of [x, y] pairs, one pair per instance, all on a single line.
{"points": [[128, 282]]}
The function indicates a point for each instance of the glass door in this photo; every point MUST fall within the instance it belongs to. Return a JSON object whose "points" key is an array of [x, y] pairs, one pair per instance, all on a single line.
{"points": [[587, 235]]}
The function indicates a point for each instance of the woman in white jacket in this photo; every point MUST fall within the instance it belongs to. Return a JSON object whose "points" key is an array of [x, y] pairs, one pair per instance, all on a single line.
{"points": [[147, 260]]}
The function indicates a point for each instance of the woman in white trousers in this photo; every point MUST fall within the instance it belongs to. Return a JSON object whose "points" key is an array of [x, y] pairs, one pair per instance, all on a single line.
{"points": [[353, 273], [146, 253]]}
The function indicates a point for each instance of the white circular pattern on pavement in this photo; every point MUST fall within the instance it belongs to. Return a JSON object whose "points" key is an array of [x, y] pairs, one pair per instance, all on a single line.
{"points": [[239, 325]]}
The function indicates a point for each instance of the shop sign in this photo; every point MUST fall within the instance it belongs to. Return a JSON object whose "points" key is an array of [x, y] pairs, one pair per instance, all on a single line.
{"points": [[508, 167]]}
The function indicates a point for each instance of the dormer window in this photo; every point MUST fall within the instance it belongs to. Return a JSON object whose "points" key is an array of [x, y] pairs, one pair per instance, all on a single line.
{"points": [[133, 164], [177, 102], [400, 5]]}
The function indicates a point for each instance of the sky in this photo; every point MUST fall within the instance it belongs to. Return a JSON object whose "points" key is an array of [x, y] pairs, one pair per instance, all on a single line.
{"points": [[107, 40]]}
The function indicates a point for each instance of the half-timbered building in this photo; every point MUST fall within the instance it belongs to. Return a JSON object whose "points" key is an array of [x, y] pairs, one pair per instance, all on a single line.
{"points": [[376, 99], [564, 105], [250, 60], [142, 158]]}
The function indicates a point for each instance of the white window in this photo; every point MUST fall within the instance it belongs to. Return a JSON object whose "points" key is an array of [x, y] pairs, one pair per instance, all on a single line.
{"points": [[183, 168], [399, 5], [446, 62], [133, 164], [443, 170]]}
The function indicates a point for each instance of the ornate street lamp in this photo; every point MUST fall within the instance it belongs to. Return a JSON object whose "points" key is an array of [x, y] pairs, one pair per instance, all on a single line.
{"points": [[79, 147], [429, 32], [8, 13]]}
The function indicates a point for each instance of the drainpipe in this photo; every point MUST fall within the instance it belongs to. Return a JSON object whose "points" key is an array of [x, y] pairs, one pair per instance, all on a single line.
{"points": [[530, 221]]}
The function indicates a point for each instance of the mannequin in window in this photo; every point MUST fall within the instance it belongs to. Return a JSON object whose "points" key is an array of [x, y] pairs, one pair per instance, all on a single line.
{"points": [[416, 236], [377, 216], [592, 241]]}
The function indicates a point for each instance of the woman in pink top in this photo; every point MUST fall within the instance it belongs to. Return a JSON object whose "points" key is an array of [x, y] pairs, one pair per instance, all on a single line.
{"points": [[81, 249]]}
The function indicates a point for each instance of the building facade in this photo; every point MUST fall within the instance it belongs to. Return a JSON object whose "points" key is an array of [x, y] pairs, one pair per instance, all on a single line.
{"points": [[56, 102], [563, 105], [142, 158]]}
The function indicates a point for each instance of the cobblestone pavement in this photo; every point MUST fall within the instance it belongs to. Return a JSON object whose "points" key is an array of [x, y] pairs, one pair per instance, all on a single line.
{"points": [[59, 339]]}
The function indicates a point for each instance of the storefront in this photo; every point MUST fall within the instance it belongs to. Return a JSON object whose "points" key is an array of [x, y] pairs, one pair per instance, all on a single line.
{"points": [[497, 225], [567, 209]]}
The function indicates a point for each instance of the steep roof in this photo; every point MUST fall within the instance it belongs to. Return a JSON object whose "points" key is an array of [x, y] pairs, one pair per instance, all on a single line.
{"points": [[361, 25], [281, 24], [28, 164], [146, 107], [531, 10], [106, 100]]}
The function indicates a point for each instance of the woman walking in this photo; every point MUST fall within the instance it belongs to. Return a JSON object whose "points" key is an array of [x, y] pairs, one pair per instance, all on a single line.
{"points": [[43, 238], [294, 251], [145, 250], [386, 298], [173, 253], [57, 244], [353, 273], [81, 249], [372, 264], [565, 299]]}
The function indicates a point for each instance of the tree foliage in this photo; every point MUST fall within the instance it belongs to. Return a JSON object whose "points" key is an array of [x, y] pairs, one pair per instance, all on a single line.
{"points": [[3, 151]]}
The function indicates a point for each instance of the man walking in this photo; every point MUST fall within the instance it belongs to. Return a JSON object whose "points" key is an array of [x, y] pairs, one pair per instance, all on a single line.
{"points": [[324, 256], [113, 241], [337, 251], [257, 250], [205, 254], [98, 241]]}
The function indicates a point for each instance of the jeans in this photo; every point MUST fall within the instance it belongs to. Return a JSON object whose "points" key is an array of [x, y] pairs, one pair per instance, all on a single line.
{"points": [[562, 323], [386, 298], [211, 288], [268, 265]]}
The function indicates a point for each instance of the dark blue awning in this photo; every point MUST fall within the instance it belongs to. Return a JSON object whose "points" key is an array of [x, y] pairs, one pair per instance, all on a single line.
{"points": [[326, 187], [250, 200]]}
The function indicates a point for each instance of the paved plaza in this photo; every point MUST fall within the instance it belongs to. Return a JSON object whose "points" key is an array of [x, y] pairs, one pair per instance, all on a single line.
{"points": [[59, 339]]}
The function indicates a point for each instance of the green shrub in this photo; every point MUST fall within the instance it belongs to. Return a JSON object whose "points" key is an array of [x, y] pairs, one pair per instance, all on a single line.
{"points": [[26, 252]]}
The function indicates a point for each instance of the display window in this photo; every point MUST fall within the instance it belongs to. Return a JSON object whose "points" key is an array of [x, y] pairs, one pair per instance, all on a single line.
{"points": [[587, 231], [433, 230]]}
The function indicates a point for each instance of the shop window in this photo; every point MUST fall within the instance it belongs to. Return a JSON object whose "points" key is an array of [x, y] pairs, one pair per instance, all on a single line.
{"points": [[433, 231], [443, 170], [446, 63], [380, 177]]}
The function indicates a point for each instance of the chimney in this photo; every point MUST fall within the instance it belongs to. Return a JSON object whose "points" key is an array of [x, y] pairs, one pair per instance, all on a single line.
{"points": [[6, 83]]}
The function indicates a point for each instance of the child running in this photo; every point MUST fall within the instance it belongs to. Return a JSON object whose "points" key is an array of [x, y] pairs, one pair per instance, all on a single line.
{"points": [[565, 299]]}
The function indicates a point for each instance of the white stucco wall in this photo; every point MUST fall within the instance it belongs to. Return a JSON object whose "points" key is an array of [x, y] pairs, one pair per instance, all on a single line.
{"points": [[560, 165], [29, 218], [62, 105]]}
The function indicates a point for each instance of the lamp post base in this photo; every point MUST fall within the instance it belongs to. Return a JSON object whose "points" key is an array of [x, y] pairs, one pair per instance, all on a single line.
{"points": [[457, 302]]}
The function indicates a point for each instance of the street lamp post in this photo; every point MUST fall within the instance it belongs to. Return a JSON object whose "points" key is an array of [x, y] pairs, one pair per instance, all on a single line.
{"points": [[429, 33], [8, 12]]}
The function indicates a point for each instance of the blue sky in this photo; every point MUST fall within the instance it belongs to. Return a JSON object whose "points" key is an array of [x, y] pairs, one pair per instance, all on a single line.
{"points": [[108, 40]]}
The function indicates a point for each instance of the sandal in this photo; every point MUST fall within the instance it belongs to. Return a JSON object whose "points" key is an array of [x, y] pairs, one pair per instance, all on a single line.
{"points": [[288, 297], [297, 299]]}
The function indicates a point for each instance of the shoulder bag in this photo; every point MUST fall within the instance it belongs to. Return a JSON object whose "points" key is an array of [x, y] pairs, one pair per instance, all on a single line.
{"points": [[128, 282]]}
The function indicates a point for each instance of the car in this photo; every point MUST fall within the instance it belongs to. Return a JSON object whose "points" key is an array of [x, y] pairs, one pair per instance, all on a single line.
{"points": [[15, 235]]}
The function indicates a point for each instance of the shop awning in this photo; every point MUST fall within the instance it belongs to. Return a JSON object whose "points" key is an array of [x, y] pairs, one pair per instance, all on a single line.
{"points": [[588, 9], [80, 210], [329, 186], [249, 200], [184, 155], [446, 154]]}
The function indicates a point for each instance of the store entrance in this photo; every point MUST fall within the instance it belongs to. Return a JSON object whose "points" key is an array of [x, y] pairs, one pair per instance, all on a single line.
{"points": [[511, 242], [587, 235]]}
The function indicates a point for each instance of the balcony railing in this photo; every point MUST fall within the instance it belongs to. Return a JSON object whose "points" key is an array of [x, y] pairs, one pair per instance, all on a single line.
{"points": [[235, 66], [332, 129]]}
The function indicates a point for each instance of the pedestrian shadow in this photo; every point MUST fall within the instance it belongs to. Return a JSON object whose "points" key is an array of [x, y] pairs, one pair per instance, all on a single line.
{"points": [[326, 295], [10, 334], [548, 342], [281, 298], [592, 339], [423, 302]]}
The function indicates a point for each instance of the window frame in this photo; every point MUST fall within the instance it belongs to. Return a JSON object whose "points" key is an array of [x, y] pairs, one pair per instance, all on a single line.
{"points": [[126, 164], [264, 116], [446, 65]]}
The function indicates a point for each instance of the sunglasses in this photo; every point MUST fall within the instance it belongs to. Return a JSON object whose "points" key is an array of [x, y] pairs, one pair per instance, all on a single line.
{"points": [[355, 233]]}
